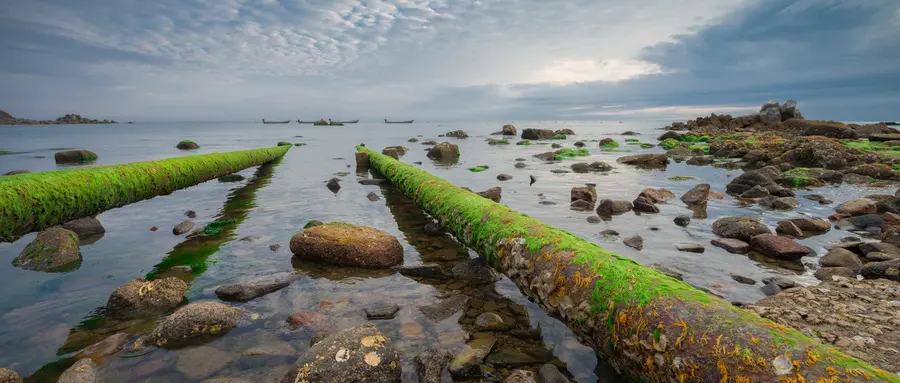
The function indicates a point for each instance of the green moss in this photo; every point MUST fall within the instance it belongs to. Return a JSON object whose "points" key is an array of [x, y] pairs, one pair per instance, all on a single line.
{"points": [[611, 145], [559, 137], [524, 142], [680, 178], [36, 201], [565, 153], [478, 169], [670, 143]]}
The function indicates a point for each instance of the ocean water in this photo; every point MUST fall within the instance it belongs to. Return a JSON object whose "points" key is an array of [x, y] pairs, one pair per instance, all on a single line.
{"points": [[47, 317]]}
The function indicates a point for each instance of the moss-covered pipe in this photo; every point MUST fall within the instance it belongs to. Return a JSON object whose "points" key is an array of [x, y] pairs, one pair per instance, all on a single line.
{"points": [[36, 201], [650, 327]]}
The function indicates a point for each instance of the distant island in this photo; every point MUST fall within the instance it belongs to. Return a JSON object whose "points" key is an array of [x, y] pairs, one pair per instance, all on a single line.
{"points": [[8, 119]]}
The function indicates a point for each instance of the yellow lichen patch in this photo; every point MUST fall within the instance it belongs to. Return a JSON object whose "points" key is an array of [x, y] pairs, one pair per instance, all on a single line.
{"points": [[372, 341], [372, 359]]}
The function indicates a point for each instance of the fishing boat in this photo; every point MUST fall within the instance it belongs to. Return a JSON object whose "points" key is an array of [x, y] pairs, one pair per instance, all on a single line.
{"points": [[347, 122], [398, 122], [276, 122]]}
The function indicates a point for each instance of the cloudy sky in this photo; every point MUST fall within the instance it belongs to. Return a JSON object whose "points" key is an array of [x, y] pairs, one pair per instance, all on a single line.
{"points": [[222, 60]]}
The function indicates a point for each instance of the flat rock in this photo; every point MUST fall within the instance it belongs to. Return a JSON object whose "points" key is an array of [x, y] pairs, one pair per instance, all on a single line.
{"points": [[731, 245]]}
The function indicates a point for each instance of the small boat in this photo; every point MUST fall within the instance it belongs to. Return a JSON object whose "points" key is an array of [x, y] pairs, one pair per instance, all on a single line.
{"points": [[347, 122], [398, 122], [276, 122]]}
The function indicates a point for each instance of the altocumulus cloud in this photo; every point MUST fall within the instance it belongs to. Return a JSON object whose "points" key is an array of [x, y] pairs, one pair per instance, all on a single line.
{"points": [[510, 59]]}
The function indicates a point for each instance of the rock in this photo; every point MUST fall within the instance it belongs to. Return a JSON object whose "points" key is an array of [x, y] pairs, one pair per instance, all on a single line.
{"points": [[644, 205], [54, 249], [75, 157], [101, 350], [739, 227], [749, 180], [445, 152], [457, 134], [690, 247], [243, 292], [381, 311], [731, 245], [430, 364], [857, 207], [509, 130], [826, 273], [141, 298], [586, 193], [778, 247], [779, 203], [682, 220], [334, 185], [608, 207], [445, 308], [880, 247], [807, 226], [667, 271], [358, 354], [196, 320], [634, 242], [489, 321], [348, 245], [645, 160], [84, 227], [657, 195], [9, 376], [696, 196], [550, 374], [886, 269], [537, 134], [770, 289], [504, 177], [581, 205], [183, 227], [521, 376], [12, 173], [756, 192], [493, 194], [742, 279], [581, 167], [83, 371], [201, 362], [841, 258]]}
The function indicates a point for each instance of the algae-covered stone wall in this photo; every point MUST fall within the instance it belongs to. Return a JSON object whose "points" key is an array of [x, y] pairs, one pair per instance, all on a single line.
{"points": [[35, 201], [650, 327]]}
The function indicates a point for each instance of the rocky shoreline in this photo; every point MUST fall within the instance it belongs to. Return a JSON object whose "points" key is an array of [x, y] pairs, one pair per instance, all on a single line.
{"points": [[69, 119]]}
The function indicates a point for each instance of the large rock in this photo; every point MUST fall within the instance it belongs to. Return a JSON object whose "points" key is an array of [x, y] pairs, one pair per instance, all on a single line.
{"points": [[348, 245], [538, 134], [53, 249], [9, 376], [646, 160], [358, 354], [509, 130], [83, 371], [739, 227], [75, 156], [587, 193], [198, 320], [886, 269], [779, 247], [856, 207], [85, 227], [444, 151], [841, 258], [696, 196], [140, 297], [608, 207], [807, 226]]}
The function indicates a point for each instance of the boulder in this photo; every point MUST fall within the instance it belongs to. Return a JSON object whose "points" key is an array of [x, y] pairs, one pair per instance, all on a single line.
{"points": [[54, 249], [587, 193], [198, 320], [187, 145], [430, 364], [141, 298], [444, 151], [807, 226], [646, 160], [657, 195], [357, 354], [537, 134], [509, 130], [457, 134], [778, 247], [494, 194], [644, 205], [243, 292], [856, 207], [83, 371], [841, 258], [826, 273], [739, 227], [75, 156], [731, 245], [85, 227], [696, 196], [608, 207], [886, 269], [348, 245]]}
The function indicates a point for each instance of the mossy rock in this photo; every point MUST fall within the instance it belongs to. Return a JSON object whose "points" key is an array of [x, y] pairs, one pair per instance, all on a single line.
{"points": [[75, 156], [187, 145], [54, 249], [347, 245]]}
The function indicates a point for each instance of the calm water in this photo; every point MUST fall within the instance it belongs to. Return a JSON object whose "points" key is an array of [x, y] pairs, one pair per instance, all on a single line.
{"points": [[45, 317]]}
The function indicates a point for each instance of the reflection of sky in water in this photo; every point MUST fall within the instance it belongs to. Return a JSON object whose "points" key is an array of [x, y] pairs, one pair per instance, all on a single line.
{"points": [[40, 308]]}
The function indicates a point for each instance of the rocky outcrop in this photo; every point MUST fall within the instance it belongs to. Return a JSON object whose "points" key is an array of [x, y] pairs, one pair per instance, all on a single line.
{"points": [[348, 245], [358, 354], [7, 119], [54, 249], [537, 134], [140, 297], [75, 156], [197, 320]]}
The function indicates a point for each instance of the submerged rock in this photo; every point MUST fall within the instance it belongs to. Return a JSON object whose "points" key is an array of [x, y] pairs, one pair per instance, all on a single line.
{"points": [[358, 354], [83, 371], [140, 297], [739, 227], [197, 320], [54, 249], [349, 245]]}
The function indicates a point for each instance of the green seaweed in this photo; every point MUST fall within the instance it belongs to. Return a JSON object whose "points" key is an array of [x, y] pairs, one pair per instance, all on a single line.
{"points": [[36, 201], [680, 178]]}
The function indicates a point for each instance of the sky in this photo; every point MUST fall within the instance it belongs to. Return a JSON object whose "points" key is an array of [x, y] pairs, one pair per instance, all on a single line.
{"points": [[241, 60]]}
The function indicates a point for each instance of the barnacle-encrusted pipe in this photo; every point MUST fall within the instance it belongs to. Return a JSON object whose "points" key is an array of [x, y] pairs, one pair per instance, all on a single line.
{"points": [[35, 201], [650, 327]]}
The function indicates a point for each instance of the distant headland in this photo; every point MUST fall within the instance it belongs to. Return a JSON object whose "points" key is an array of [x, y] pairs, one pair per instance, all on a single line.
{"points": [[8, 119]]}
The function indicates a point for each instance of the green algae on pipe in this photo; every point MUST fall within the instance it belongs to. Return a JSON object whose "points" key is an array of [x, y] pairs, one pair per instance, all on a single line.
{"points": [[650, 327], [36, 201]]}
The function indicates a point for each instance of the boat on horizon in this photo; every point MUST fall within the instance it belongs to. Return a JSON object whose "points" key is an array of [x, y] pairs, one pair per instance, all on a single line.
{"points": [[276, 122], [398, 122]]}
